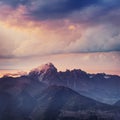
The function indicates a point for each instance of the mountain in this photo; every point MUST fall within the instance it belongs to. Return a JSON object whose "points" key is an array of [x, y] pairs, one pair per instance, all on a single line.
{"points": [[26, 99], [46, 73], [18, 97], [47, 94], [101, 87], [56, 100], [117, 103], [23, 98], [15, 86]]}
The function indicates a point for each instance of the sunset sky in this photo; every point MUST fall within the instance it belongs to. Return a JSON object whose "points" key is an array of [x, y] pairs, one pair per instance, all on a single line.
{"points": [[71, 34]]}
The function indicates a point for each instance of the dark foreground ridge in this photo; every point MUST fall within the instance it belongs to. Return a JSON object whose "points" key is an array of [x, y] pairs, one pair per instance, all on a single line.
{"points": [[46, 94]]}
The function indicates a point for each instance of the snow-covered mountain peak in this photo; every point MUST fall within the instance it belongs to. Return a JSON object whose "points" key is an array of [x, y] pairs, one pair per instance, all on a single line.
{"points": [[44, 68]]}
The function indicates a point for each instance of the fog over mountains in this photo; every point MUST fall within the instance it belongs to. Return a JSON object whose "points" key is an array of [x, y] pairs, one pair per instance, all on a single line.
{"points": [[46, 94]]}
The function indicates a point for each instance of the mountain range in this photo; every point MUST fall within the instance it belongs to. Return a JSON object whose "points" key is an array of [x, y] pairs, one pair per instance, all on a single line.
{"points": [[101, 87], [48, 94]]}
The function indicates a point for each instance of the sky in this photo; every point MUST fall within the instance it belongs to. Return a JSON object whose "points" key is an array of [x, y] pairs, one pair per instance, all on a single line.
{"points": [[82, 34]]}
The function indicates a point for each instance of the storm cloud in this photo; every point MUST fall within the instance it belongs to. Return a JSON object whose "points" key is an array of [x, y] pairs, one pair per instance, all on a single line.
{"points": [[55, 9]]}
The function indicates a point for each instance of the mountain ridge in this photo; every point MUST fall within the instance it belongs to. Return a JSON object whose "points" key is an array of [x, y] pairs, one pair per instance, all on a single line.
{"points": [[100, 86], [49, 94]]}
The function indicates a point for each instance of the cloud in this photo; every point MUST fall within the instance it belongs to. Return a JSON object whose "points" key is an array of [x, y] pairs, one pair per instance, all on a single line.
{"points": [[70, 38], [81, 11], [90, 62], [14, 3], [57, 9], [96, 11], [69, 33], [65, 26], [107, 12], [6, 47], [102, 38]]}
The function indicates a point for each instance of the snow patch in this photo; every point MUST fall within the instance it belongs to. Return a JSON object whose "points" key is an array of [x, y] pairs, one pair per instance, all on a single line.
{"points": [[91, 76], [107, 77]]}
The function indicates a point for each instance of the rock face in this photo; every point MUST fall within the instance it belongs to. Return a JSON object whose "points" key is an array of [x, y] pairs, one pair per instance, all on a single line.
{"points": [[101, 87], [45, 73]]}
